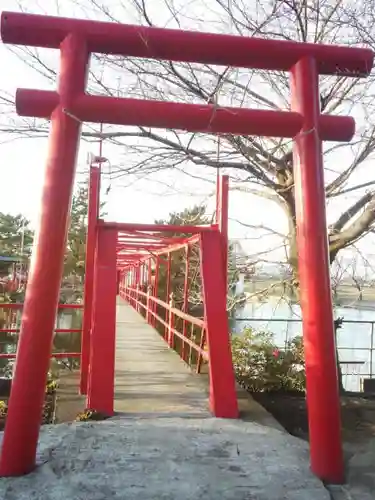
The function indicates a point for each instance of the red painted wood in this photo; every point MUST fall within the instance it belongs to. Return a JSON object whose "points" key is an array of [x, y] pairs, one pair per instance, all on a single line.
{"points": [[191, 117], [179, 45], [223, 396], [93, 214], [100, 393], [315, 288], [42, 294]]}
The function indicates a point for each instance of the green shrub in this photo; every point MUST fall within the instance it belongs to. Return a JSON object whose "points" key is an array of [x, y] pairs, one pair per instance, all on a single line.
{"points": [[3, 409], [261, 366], [51, 386]]}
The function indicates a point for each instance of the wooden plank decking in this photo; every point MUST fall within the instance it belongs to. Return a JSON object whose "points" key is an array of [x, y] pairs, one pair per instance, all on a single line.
{"points": [[151, 379]]}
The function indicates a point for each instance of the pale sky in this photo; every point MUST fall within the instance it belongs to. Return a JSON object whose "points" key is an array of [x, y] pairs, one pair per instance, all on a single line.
{"points": [[132, 198]]}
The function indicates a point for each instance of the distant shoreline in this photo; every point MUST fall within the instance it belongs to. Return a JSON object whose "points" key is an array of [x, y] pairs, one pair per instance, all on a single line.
{"points": [[346, 296]]}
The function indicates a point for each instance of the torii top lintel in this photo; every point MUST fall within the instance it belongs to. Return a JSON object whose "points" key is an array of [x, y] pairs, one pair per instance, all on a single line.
{"points": [[184, 46]]}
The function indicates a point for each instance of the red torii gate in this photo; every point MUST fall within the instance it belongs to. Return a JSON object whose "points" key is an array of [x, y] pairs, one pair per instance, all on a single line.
{"points": [[116, 256], [70, 105]]}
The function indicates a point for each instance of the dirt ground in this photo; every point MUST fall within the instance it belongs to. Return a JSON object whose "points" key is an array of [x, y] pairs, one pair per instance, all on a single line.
{"points": [[357, 415], [68, 401], [62, 406], [48, 416]]}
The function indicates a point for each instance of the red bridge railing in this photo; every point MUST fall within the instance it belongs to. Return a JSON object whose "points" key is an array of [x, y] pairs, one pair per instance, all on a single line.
{"points": [[11, 320], [144, 303]]}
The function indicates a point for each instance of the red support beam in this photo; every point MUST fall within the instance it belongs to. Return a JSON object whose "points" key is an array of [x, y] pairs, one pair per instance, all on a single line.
{"points": [[42, 294], [191, 117], [149, 235], [156, 288], [178, 246], [133, 256], [223, 396], [149, 291], [91, 237], [118, 281], [186, 297], [18, 306], [138, 240], [56, 355], [58, 330], [168, 248], [163, 228], [100, 394], [168, 290], [218, 187], [123, 247], [142, 266], [184, 46], [137, 274], [222, 214], [315, 288]]}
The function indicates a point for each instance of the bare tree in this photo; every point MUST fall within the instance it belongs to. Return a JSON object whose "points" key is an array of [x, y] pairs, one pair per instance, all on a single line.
{"points": [[339, 271], [261, 167]]}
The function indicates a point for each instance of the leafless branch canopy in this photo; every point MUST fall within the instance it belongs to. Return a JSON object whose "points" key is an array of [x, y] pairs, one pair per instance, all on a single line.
{"points": [[256, 165]]}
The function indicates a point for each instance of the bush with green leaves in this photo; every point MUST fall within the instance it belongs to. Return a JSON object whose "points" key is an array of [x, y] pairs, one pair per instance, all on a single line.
{"points": [[261, 366]]}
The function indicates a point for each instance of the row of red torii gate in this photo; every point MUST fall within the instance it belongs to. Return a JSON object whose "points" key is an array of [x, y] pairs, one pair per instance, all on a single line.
{"points": [[114, 249]]}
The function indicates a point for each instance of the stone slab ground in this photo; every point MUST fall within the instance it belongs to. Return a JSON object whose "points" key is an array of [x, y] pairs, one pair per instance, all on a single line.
{"points": [[167, 459]]}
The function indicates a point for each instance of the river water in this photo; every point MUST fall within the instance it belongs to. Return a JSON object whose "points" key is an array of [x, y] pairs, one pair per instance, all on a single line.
{"points": [[355, 339]]}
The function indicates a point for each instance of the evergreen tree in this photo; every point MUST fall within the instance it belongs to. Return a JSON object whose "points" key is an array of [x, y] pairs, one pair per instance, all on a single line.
{"points": [[76, 238], [15, 239], [195, 215]]}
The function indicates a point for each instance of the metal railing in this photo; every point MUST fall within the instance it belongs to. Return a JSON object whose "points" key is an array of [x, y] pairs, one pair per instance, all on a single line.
{"points": [[13, 319], [172, 323], [357, 361]]}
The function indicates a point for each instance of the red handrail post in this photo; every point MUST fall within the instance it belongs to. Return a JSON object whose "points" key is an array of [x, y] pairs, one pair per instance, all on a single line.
{"points": [[131, 284], [149, 290], [148, 304], [223, 396], [42, 294], [156, 289], [93, 214], [168, 290], [134, 278], [315, 290], [100, 394], [137, 298], [137, 275], [171, 322]]}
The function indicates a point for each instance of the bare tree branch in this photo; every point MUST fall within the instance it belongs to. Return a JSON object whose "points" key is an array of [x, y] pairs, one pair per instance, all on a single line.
{"points": [[258, 166]]}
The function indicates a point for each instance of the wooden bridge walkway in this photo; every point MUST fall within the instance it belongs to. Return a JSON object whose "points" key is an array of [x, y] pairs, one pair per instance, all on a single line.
{"points": [[151, 380]]}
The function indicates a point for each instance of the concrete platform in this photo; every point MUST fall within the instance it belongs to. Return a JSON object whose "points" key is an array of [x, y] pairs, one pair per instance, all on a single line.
{"points": [[163, 442], [69, 403], [167, 459]]}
